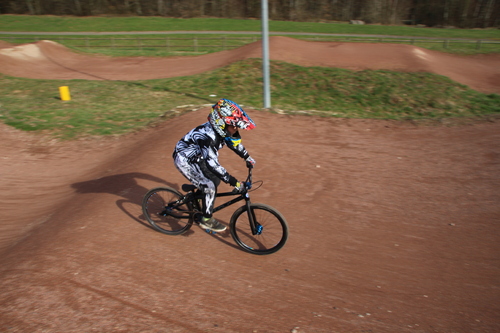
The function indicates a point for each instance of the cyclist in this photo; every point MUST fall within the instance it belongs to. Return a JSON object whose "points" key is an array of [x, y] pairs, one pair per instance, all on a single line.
{"points": [[196, 154]]}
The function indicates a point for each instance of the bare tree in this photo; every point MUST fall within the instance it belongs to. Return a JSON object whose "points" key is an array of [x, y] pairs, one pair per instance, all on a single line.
{"points": [[162, 8], [487, 12], [34, 7]]}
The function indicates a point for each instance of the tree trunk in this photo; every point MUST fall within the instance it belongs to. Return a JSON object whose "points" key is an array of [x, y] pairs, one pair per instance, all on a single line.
{"points": [[394, 11], [162, 8], [464, 18], [487, 14], [78, 8], [138, 8], [446, 13], [31, 7]]}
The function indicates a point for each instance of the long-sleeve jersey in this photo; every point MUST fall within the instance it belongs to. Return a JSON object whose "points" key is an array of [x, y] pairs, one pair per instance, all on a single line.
{"points": [[204, 142]]}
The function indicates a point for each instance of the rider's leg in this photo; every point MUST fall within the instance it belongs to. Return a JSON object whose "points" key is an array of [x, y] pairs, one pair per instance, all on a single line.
{"points": [[207, 183], [210, 191]]}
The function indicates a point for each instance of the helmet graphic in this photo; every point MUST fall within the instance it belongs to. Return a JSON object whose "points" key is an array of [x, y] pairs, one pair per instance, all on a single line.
{"points": [[226, 112]]}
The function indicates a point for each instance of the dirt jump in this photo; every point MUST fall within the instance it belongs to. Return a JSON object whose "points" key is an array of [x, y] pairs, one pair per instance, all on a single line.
{"points": [[394, 226]]}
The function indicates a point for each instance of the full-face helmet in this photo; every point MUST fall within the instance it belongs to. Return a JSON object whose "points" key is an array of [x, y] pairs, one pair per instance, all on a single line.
{"points": [[226, 112]]}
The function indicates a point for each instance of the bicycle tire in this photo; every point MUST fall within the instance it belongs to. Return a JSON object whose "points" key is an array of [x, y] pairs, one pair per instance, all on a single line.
{"points": [[273, 235], [174, 222]]}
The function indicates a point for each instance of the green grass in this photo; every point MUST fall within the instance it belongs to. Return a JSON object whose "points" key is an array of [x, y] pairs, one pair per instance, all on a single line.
{"points": [[113, 24], [96, 107], [340, 92], [114, 107]]}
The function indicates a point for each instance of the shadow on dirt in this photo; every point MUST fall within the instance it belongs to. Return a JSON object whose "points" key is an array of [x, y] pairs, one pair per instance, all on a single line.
{"points": [[125, 186], [130, 191]]}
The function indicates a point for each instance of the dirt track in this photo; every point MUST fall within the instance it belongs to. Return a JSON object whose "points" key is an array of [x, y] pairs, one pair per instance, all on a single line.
{"points": [[394, 228]]}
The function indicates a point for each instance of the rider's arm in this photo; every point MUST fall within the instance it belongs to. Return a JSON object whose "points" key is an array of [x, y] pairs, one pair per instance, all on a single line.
{"points": [[234, 143], [209, 152]]}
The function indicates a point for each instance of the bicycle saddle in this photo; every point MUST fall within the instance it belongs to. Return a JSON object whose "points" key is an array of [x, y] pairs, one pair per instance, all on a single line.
{"points": [[188, 187]]}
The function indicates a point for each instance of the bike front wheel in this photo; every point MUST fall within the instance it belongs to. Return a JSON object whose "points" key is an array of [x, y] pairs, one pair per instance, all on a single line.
{"points": [[270, 234], [164, 213]]}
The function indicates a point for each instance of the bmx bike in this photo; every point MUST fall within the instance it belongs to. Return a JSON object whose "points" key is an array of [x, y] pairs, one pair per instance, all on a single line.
{"points": [[257, 228]]}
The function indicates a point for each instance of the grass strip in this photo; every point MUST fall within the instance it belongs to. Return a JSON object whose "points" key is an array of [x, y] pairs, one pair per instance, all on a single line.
{"points": [[19, 23]]}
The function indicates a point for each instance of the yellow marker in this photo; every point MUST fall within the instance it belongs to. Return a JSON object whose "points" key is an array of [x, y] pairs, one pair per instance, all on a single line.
{"points": [[64, 92]]}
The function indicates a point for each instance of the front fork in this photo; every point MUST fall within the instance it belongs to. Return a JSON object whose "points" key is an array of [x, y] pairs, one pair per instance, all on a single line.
{"points": [[255, 226]]}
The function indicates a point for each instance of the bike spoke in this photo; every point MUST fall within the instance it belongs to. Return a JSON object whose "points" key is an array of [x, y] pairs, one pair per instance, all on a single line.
{"points": [[163, 211]]}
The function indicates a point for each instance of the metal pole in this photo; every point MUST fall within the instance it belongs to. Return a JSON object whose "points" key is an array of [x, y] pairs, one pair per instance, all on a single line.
{"points": [[265, 55]]}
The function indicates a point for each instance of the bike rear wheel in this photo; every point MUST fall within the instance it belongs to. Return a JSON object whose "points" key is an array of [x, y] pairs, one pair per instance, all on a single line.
{"points": [[164, 214], [271, 234]]}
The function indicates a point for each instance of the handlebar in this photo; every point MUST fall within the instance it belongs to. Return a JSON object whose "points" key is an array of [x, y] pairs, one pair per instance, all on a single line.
{"points": [[247, 184]]}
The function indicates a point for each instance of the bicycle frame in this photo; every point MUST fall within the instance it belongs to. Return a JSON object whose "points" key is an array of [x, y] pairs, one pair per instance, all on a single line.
{"points": [[241, 196]]}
